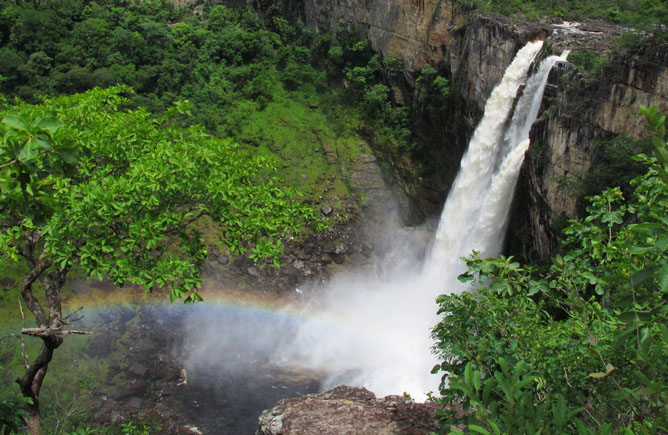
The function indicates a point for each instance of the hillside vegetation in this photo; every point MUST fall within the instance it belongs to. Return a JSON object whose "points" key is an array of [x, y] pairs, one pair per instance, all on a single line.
{"points": [[633, 12]]}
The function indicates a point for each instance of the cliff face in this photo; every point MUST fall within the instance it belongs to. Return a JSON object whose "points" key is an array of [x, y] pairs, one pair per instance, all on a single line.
{"points": [[476, 50], [416, 29], [568, 139]]}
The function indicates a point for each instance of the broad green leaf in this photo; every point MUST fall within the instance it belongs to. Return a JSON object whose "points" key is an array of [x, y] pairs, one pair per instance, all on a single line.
{"points": [[29, 151], [479, 429], [642, 275], [43, 141], [49, 124], [15, 122], [69, 155], [477, 379], [663, 278]]}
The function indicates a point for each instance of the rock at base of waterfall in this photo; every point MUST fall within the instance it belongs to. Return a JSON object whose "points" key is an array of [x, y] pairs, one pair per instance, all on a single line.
{"points": [[348, 410]]}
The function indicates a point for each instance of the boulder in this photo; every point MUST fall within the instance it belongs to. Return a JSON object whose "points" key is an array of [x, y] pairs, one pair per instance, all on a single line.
{"points": [[349, 410]]}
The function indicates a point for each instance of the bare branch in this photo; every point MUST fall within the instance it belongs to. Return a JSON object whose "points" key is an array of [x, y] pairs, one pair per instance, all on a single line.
{"points": [[66, 319], [188, 222], [10, 163], [23, 317], [51, 332]]}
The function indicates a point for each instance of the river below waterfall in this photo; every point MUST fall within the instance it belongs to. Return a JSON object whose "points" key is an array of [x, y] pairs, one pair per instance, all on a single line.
{"points": [[149, 370]]}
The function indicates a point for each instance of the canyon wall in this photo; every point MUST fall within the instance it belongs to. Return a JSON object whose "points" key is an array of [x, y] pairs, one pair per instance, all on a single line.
{"points": [[475, 50]]}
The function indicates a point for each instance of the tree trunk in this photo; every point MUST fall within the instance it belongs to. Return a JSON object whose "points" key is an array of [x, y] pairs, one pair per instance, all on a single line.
{"points": [[31, 382]]}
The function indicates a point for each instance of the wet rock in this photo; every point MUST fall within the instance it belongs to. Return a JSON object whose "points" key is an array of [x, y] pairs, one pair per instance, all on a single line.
{"points": [[134, 403], [303, 254], [348, 410], [129, 389], [100, 345], [334, 247], [339, 259], [190, 430], [326, 210], [116, 417], [137, 369], [364, 158]]}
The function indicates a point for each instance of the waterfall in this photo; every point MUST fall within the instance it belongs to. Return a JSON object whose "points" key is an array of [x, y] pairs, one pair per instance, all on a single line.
{"points": [[475, 215], [464, 213], [489, 235], [373, 331]]}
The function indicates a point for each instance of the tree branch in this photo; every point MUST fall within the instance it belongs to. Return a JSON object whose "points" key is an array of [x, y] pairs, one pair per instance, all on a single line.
{"points": [[51, 332], [188, 222], [10, 163], [26, 290]]}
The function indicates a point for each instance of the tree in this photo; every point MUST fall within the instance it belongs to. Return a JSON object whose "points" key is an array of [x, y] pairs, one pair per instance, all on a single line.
{"points": [[113, 192]]}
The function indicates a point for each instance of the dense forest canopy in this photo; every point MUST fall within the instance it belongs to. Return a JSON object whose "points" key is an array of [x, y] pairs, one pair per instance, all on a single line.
{"points": [[633, 12]]}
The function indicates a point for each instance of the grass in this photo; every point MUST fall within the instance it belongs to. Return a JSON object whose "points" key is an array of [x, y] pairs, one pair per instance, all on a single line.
{"points": [[312, 144]]}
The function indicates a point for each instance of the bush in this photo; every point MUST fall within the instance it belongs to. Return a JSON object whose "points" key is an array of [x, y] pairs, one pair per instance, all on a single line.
{"points": [[585, 337]]}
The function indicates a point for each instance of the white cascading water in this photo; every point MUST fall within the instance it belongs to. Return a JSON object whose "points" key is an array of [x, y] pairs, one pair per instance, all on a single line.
{"points": [[491, 230], [482, 179], [374, 331]]}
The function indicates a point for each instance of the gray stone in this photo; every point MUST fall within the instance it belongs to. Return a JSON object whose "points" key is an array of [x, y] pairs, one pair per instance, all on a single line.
{"points": [[349, 410], [326, 210], [134, 403], [137, 369]]}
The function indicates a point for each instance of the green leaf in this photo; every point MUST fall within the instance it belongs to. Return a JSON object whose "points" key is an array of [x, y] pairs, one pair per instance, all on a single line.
{"points": [[479, 429], [468, 374], [642, 275], [43, 142], [29, 151], [69, 155], [49, 124], [477, 379], [15, 122], [663, 278]]}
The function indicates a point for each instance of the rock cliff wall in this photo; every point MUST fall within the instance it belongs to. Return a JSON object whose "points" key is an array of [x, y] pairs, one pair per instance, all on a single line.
{"points": [[475, 50], [569, 138]]}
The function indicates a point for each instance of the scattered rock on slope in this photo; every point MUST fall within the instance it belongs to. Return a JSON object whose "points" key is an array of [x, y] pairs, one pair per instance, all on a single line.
{"points": [[347, 411]]}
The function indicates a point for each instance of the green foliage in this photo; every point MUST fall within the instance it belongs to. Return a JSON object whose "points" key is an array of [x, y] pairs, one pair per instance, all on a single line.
{"points": [[628, 12], [505, 402], [583, 337], [11, 412], [113, 191], [588, 62]]}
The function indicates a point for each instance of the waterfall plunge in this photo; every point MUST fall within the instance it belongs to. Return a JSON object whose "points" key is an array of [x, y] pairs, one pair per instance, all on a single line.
{"points": [[374, 331], [477, 204]]}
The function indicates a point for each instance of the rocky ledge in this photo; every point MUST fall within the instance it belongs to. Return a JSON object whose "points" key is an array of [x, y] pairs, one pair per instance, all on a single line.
{"points": [[349, 410]]}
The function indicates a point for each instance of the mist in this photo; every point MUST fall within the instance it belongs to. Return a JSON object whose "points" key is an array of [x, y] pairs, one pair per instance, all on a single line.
{"points": [[371, 328]]}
